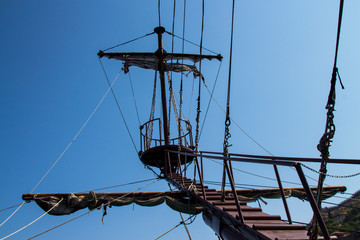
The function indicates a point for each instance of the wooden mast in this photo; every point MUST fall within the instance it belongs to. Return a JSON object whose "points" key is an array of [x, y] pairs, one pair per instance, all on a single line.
{"points": [[160, 53]]}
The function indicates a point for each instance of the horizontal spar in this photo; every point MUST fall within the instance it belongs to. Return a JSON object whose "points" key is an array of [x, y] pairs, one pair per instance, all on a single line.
{"points": [[150, 56], [176, 194], [33, 196]]}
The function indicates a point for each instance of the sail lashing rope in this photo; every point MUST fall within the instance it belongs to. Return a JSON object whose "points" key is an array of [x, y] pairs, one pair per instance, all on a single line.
{"points": [[326, 139]]}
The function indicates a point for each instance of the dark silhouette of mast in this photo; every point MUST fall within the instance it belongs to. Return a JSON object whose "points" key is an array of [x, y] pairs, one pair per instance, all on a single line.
{"points": [[160, 53]]}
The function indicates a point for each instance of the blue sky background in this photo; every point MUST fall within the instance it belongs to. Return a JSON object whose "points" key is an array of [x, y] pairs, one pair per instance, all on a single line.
{"points": [[51, 81]]}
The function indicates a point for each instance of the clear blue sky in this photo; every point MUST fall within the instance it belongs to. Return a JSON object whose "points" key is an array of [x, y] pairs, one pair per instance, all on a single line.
{"points": [[51, 81]]}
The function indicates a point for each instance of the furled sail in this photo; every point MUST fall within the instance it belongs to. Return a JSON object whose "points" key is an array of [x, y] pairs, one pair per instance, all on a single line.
{"points": [[252, 195], [64, 204], [67, 203], [150, 61]]}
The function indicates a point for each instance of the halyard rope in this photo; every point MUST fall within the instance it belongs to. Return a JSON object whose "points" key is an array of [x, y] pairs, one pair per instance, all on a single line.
{"points": [[67, 147], [33, 221]]}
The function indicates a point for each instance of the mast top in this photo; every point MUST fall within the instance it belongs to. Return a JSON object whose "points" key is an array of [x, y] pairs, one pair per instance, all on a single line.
{"points": [[159, 30]]}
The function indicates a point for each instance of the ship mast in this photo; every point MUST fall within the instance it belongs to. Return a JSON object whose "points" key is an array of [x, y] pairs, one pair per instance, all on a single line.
{"points": [[160, 53], [155, 152]]}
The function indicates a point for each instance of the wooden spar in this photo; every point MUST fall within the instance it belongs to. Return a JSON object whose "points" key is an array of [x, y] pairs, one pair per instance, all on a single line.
{"points": [[167, 56], [32, 196]]}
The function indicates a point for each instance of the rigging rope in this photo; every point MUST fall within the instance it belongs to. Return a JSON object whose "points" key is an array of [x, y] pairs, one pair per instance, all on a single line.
{"points": [[104, 205], [59, 225], [67, 147], [12, 214], [245, 186], [199, 94], [185, 226], [133, 40], [195, 44], [159, 12], [337, 229], [246, 134], [172, 99], [227, 133], [326, 139], [120, 185], [353, 199], [152, 112], [172, 37], [77, 134], [349, 193], [340, 205], [211, 94], [182, 62], [171, 63], [191, 97], [32, 221], [182, 219], [133, 94], [4, 209], [170, 90], [233, 121], [180, 223], [118, 106], [170, 83]]}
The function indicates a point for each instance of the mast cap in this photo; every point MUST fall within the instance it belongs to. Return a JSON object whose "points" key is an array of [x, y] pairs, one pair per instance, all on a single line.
{"points": [[159, 30]]}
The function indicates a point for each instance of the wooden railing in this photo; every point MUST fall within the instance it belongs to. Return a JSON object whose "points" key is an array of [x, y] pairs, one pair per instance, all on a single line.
{"points": [[147, 130]]}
